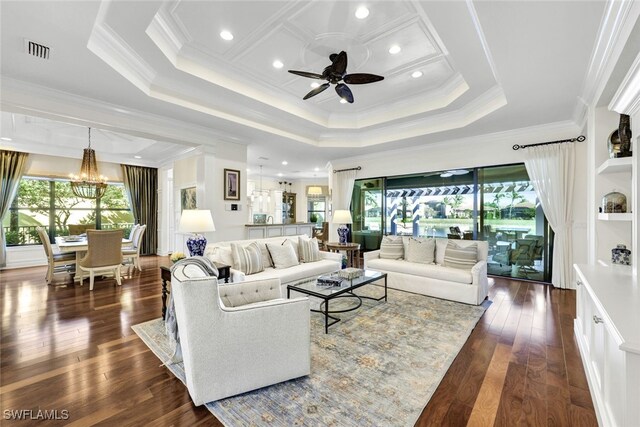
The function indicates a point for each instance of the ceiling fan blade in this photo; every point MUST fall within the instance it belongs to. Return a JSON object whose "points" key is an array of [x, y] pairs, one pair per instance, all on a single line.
{"points": [[361, 78], [344, 92], [339, 65], [316, 91], [306, 74]]}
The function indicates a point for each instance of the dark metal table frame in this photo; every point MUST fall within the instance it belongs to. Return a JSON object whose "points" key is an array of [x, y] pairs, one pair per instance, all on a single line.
{"points": [[347, 292]]}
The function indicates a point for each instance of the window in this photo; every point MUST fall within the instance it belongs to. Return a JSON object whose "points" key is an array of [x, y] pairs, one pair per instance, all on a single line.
{"points": [[52, 204], [316, 208], [496, 204]]}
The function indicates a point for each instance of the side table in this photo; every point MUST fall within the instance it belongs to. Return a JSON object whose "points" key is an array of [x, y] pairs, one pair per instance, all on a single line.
{"points": [[352, 250], [224, 273]]}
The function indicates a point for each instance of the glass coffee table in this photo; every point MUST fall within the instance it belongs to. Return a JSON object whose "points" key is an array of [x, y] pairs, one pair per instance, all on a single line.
{"points": [[345, 290]]}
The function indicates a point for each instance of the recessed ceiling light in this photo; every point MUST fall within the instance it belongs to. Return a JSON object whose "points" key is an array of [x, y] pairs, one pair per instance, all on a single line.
{"points": [[315, 85], [6, 138], [226, 35], [248, 170], [394, 49], [280, 174], [316, 169], [137, 157], [278, 64], [284, 162], [362, 12], [343, 101], [416, 74]]}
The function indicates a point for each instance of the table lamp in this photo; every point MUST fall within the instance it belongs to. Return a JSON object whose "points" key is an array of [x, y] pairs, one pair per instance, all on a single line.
{"points": [[342, 217], [196, 221]]}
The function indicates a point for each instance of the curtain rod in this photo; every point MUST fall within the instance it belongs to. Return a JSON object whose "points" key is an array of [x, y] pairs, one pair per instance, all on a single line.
{"points": [[579, 139], [357, 168]]}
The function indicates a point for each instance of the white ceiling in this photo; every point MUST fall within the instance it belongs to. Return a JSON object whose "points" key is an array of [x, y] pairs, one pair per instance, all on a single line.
{"points": [[156, 77]]}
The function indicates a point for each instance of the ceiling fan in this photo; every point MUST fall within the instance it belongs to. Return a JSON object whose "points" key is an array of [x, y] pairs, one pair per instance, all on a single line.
{"points": [[334, 74]]}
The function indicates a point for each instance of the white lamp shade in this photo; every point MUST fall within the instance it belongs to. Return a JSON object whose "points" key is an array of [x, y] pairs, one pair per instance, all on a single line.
{"points": [[314, 191], [342, 217], [196, 221]]}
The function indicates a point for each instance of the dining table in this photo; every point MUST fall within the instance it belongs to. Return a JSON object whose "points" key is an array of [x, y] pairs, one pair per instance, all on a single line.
{"points": [[79, 245]]}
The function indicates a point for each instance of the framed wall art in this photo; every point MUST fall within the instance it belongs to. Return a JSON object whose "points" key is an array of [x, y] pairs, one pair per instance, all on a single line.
{"points": [[231, 184], [188, 198]]}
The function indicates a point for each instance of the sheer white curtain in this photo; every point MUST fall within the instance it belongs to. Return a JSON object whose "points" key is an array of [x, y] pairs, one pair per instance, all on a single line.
{"points": [[551, 170], [343, 182]]}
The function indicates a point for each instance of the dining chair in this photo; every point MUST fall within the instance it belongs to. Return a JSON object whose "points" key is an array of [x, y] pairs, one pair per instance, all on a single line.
{"points": [[76, 229], [132, 236], [132, 254], [104, 254], [55, 261]]}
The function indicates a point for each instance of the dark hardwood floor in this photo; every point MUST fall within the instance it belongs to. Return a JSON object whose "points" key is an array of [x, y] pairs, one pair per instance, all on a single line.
{"points": [[65, 348]]}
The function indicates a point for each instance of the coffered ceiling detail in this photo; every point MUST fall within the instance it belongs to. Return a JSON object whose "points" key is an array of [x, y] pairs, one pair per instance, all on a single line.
{"points": [[235, 80]]}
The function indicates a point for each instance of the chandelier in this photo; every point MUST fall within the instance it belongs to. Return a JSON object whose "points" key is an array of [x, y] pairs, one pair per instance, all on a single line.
{"points": [[89, 184]]}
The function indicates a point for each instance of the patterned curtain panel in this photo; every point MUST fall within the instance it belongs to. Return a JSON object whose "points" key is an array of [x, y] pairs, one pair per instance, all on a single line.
{"points": [[142, 187], [12, 165]]}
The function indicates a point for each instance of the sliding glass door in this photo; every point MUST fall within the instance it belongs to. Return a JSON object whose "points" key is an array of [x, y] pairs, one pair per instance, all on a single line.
{"points": [[495, 204]]}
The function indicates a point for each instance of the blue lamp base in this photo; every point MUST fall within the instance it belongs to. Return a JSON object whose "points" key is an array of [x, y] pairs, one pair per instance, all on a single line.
{"points": [[343, 232], [196, 245]]}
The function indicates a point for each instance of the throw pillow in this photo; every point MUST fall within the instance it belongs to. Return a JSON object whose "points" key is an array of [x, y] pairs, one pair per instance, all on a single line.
{"points": [[247, 259], [441, 247], [283, 256], [266, 258], [391, 247], [421, 251], [296, 249], [221, 255], [457, 256], [309, 250]]}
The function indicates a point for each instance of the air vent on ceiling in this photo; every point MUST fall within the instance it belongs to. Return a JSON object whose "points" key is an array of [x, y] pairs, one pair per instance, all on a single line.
{"points": [[36, 49], [263, 158]]}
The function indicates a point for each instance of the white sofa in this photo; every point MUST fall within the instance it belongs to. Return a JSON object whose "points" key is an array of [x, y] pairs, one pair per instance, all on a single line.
{"points": [[224, 327], [330, 262], [436, 280]]}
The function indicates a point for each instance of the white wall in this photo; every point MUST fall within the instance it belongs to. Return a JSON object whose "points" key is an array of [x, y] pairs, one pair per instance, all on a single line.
{"points": [[205, 171]]}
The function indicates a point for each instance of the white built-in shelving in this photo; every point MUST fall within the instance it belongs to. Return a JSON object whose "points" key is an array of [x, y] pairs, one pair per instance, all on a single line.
{"points": [[617, 165], [615, 216]]}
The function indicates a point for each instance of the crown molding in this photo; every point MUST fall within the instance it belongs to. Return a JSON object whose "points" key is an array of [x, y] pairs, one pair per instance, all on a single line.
{"points": [[30, 99], [486, 103], [627, 98], [617, 23], [527, 135]]}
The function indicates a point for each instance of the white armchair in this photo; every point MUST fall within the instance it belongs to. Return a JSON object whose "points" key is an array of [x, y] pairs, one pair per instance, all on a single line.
{"points": [[239, 337]]}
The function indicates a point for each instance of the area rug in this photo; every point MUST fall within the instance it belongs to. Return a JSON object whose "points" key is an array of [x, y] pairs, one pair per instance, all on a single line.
{"points": [[378, 366]]}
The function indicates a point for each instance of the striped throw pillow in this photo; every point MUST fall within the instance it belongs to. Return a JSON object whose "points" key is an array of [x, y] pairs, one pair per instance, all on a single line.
{"points": [[247, 259], [391, 247], [309, 250], [460, 257]]}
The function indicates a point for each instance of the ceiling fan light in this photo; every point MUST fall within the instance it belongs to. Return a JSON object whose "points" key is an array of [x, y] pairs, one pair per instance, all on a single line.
{"points": [[362, 12], [226, 35], [416, 74], [394, 49], [315, 85], [343, 101]]}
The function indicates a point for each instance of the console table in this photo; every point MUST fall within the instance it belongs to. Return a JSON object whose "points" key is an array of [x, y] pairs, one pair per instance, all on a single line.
{"points": [[224, 272]]}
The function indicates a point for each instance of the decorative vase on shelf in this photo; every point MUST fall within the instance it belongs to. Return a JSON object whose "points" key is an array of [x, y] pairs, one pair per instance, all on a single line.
{"points": [[619, 142], [621, 255], [614, 202]]}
